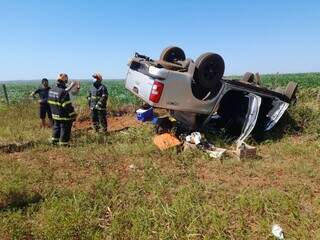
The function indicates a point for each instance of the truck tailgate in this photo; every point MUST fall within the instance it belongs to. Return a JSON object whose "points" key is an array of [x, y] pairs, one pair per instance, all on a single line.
{"points": [[139, 84]]}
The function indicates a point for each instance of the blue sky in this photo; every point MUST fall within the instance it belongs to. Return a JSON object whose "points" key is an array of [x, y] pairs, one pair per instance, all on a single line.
{"points": [[42, 38]]}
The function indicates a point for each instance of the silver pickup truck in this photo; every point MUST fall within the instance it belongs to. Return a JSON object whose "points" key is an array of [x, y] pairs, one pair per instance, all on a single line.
{"points": [[197, 90]]}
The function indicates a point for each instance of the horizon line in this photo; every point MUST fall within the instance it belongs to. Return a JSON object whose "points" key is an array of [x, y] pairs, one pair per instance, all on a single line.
{"points": [[120, 79]]}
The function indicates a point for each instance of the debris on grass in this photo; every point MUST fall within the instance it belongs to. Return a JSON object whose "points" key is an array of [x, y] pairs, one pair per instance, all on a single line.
{"points": [[144, 114], [217, 153], [165, 141], [277, 232], [245, 151], [196, 141], [164, 124], [194, 138], [189, 146]]}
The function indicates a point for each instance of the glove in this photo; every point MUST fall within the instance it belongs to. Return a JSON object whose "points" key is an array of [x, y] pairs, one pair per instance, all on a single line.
{"points": [[98, 105]]}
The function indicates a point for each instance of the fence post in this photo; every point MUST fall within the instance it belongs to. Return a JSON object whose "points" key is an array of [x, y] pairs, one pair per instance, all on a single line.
{"points": [[5, 93]]}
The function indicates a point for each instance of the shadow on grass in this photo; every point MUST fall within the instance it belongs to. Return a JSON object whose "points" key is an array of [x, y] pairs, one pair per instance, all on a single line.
{"points": [[15, 200], [16, 147], [287, 125]]}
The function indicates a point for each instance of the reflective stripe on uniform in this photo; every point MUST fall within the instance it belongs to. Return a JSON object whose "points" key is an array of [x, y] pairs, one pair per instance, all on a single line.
{"points": [[95, 97], [72, 114], [66, 103], [59, 104], [63, 143], [99, 108], [54, 103], [57, 117]]}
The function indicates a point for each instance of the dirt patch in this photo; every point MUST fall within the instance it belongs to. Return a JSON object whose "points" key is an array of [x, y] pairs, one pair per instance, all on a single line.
{"points": [[114, 123], [84, 113]]}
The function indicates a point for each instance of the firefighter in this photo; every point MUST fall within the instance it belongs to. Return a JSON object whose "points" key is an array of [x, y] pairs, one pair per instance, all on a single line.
{"points": [[97, 100], [63, 113], [44, 108]]}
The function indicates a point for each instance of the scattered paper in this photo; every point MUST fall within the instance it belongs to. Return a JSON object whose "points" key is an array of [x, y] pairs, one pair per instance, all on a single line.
{"points": [[277, 232]]}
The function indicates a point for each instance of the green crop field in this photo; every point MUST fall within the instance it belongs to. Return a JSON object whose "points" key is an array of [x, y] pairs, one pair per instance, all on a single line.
{"points": [[20, 90], [121, 186]]}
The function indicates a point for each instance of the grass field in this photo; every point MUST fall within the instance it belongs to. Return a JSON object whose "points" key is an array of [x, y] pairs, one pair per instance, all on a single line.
{"points": [[122, 187]]}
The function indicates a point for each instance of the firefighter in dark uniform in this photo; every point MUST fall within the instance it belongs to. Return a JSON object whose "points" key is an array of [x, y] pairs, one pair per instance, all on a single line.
{"points": [[63, 113], [97, 100], [44, 108]]}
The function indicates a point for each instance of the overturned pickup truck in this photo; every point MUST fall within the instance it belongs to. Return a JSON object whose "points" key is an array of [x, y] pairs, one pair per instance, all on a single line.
{"points": [[197, 94]]}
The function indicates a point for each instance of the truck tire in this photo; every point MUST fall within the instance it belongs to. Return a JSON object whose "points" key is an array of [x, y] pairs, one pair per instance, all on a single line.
{"points": [[209, 70], [248, 77], [172, 54], [257, 78]]}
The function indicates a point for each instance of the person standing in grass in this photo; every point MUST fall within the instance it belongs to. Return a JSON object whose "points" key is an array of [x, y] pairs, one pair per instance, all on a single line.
{"points": [[44, 108], [63, 113], [97, 101]]}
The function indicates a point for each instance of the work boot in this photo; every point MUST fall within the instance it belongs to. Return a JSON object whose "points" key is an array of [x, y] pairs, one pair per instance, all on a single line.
{"points": [[96, 128], [54, 141], [64, 144]]}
